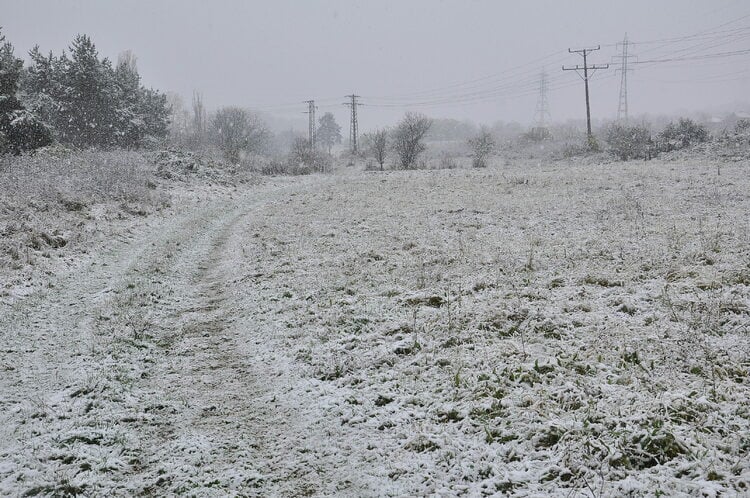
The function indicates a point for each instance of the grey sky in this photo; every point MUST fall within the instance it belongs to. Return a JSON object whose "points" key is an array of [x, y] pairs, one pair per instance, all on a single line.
{"points": [[274, 54]]}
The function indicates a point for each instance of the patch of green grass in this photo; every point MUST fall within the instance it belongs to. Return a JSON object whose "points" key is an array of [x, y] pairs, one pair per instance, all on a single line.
{"points": [[549, 437]]}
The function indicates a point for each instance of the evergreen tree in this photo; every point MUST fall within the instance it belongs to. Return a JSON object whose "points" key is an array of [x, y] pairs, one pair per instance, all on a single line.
{"points": [[88, 111], [40, 89], [20, 130], [129, 124], [155, 112], [10, 72], [142, 112], [329, 132], [83, 99]]}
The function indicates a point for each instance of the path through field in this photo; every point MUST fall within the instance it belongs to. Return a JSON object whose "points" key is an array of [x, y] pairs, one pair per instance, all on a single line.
{"points": [[405, 333], [146, 369]]}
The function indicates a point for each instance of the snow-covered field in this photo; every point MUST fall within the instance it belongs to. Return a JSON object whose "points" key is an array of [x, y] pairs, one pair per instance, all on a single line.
{"points": [[529, 330]]}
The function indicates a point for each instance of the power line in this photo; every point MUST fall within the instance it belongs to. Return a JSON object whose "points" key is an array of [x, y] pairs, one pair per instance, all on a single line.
{"points": [[480, 92], [733, 53], [508, 73], [522, 81], [594, 67]]}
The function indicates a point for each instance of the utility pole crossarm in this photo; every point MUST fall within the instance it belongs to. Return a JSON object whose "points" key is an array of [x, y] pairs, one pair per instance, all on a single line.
{"points": [[581, 68], [584, 50]]}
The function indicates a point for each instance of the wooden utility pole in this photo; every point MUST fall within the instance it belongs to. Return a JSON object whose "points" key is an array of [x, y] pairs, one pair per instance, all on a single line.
{"points": [[584, 52]]}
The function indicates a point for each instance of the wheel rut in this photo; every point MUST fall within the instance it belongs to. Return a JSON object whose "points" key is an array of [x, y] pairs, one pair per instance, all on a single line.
{"points": [[150, 374]]}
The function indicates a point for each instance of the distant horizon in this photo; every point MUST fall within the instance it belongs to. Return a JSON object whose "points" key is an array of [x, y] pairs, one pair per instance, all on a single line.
{"points": [[270, 57]]}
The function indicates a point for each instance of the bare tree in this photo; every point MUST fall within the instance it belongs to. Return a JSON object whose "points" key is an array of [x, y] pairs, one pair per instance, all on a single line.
{"points": [[377, 145], [408, 138], [482, 146], [128, 59], [304, 160], [179, 120], [199, 118], [238, 131]]}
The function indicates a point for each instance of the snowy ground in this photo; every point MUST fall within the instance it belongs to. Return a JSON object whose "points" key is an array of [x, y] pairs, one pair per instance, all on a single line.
{"points": [[528, 330]]}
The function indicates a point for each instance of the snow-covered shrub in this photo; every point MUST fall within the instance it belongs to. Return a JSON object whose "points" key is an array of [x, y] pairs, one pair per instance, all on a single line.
{"points": [[408, 139], [682, 134], [304, 159], [482, 146], [237, 132], [447, 161], [27, 132], [742, 132], [627, 142]]}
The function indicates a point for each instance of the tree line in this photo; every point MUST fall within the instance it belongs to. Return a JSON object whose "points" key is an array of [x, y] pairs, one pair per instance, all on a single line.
{"points": [[76, 98]]}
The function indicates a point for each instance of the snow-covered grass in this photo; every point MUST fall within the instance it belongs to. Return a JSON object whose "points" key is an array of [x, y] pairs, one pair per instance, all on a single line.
{"points": [[59, 198], [529, 329], [78, 179], [525, 330]]}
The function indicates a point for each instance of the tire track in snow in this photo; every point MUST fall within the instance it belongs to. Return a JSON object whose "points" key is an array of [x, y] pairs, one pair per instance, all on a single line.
{"points": [[147, 375], [241, 419], [68, 344]]}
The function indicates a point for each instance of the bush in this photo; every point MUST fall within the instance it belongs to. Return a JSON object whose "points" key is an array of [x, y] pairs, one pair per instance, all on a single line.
{"points": [[27, 132], [574, 149], [304, 159], [742, 131], [742, 127], [376, 145], [238, 132], [408, 139], [684, 133], [537, 135], [482, 146], [627, 142], [447, 161]]}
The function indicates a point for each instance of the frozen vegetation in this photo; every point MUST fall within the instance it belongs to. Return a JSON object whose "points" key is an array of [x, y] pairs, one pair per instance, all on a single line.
{"points": [[525, 329]]}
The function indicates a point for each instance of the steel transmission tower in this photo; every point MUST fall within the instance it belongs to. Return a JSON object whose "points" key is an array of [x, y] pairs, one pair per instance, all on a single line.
{"points": [[585, 77], [541, 114], [624, 57], [311, 122], [354, 125]]}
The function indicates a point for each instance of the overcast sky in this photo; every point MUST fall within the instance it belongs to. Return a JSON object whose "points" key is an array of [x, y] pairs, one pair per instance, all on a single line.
{"points": [[459, 58]]}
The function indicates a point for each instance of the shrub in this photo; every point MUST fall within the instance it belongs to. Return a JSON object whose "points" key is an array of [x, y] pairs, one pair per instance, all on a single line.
{"points": [[537, 135], [239, 132], [376, 145], [684, 133], [408, 139], [27, 132], [304, 159], [627, 142], [482, 146], [447, 161], [742, 127]]}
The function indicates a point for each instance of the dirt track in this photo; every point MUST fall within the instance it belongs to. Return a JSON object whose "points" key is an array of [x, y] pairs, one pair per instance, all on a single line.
{"points": [[144, 364]]}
